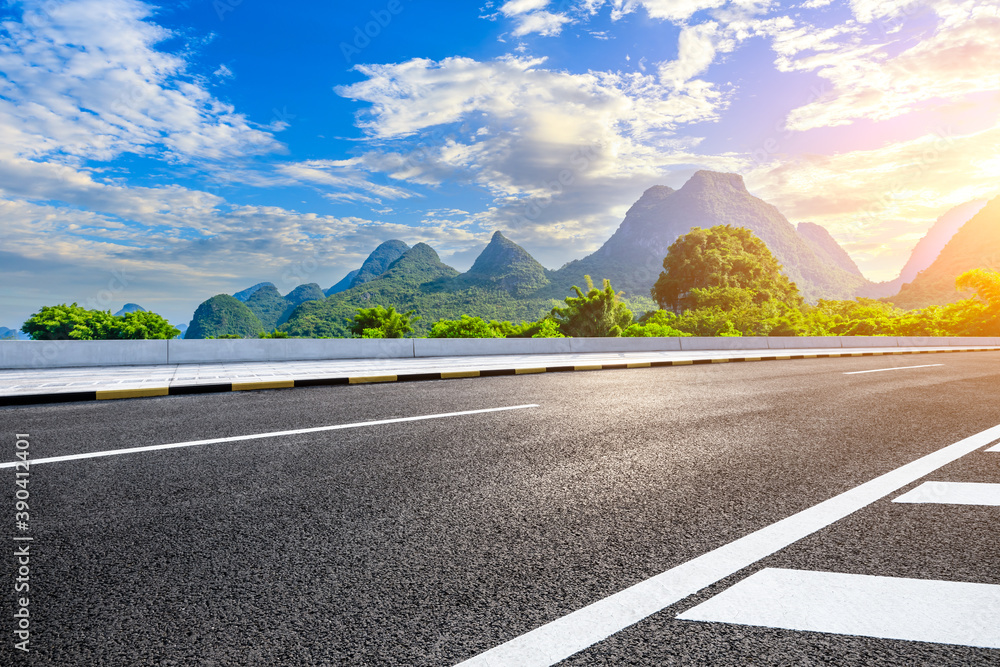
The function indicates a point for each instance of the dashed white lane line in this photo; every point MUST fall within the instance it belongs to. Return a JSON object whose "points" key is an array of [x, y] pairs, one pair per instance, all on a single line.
{"points": [[944, 612], [561, 638], [258, 436], [994, 448], [897, 368], [953, 493]]}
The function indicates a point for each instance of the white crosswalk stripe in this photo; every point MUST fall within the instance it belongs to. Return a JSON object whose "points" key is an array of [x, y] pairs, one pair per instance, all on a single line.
{"points": [[927, 610]]}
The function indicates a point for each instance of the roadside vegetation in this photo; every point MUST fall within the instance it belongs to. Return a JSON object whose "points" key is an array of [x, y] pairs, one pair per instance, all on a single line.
{"points": [[721, 281]]}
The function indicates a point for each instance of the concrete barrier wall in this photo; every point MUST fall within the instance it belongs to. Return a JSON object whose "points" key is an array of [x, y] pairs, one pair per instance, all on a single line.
{"points": [[582, 345], [800, 342], [475, 347], [78, 353], [81, 353], [724, 343], [287, 349]]}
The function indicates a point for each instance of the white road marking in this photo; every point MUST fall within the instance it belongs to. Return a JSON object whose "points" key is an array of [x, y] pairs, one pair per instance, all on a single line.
{"points": [[258, 436], [994, 448], [897, 368], [561, 638], [953, 493], [944, 612]]}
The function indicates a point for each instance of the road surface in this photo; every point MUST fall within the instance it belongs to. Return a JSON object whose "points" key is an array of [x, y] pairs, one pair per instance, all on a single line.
{"points": [[452, 530]]}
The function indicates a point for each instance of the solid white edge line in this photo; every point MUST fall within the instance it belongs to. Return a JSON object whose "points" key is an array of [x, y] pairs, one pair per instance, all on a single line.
{"points": [[953, 493], [576, 631], [926, 610], [257, 436], [898, 368]]}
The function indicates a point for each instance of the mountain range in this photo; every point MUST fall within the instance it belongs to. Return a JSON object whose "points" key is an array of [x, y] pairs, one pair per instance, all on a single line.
{"points": [[12, 334], [506, 282], [975, 245]]}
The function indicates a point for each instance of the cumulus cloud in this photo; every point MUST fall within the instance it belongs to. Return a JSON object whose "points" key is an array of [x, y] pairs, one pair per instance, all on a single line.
{"points": [[670, 10], [880, 80], [84, 80]]}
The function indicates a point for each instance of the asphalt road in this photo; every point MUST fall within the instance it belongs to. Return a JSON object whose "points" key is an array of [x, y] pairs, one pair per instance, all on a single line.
{"points": [[429, 542]]}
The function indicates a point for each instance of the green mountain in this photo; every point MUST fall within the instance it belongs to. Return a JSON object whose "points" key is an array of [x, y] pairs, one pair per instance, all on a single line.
{"points": [[379, 261], [243, 295], [223, 315], [273, 309], [975, 245], [633, 257], [505, 266], [500, 286], [506, 283], [303, 293], [268, 305]]}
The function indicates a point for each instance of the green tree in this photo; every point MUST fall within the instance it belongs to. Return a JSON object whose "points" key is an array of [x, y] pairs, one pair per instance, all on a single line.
{"points": [[74, 322], [729, 265], [379, 322], [142, 325], [654, 324], [596, 313], [56, 322], [467, 327], [986, 285], [543, 328]]}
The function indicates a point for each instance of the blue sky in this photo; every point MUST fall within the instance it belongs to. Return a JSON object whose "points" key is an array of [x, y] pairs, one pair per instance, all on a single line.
{"points": [[163, 153]]}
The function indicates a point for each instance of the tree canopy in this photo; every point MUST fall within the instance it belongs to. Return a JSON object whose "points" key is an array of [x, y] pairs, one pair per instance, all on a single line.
{"points": [[722, 267], [73, 322], [596, 313], [379, 322]]}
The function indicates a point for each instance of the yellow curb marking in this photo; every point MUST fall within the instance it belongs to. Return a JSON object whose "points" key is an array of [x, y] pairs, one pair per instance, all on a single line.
{"points": [[459, 374], [270, 384], [107, 394]]}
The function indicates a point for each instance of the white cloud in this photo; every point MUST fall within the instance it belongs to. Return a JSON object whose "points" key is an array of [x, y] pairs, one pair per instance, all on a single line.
{"points": [[515, 7], [696, 50], [677, 11], [535, 120], [545, 24], [895, 74], [47, 181], [84, 79], [341, 180]]}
